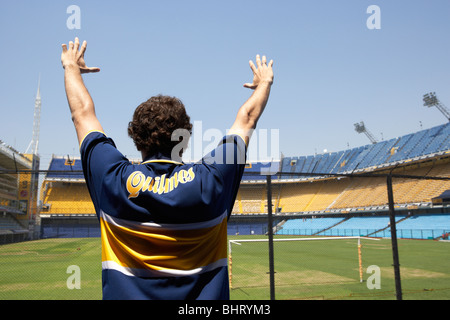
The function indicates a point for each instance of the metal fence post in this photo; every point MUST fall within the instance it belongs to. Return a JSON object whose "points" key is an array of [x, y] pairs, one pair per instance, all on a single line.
{"points": [[270, 233], [396, 264]]}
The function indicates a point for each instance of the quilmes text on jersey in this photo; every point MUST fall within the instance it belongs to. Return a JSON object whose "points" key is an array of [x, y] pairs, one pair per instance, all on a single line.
{"points": [[137, 182]]}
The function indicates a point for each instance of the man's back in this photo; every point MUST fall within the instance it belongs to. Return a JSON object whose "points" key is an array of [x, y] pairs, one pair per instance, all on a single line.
{"points": [[164, 223]]}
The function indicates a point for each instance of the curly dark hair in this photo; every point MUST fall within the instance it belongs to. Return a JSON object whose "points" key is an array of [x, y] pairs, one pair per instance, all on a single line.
{"points": [[153, 123]]}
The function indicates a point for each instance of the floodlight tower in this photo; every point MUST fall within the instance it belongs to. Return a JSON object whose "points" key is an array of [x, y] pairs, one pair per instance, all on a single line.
{"points": [[34, 144], [34, 178], [361, 128], [430, 100]]}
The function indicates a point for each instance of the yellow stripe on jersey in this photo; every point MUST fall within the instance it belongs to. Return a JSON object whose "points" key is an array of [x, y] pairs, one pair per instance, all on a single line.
{"points": [[89, 132], [147, 249]]}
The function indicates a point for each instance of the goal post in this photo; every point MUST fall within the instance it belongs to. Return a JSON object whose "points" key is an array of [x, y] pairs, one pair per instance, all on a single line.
{"points": [[239, 242]]}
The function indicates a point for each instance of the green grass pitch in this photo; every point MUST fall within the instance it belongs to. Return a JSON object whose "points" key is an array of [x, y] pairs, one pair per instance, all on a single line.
{"points": [[38, 270]]}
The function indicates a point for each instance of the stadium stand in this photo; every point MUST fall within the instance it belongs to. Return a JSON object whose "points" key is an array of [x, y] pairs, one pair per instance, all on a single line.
{"points": [[15, 201], [9, 224], [423, 144], [68, 198], [429, 226], [64, 190], [65, 169], [251, 199], [308, 226], [247, 228], [300, 185], [358, 226]]}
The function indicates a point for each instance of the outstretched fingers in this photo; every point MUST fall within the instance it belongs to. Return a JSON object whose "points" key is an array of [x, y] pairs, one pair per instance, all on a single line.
{"points": [[258, 60], [264, 60], [77, 44], [83, 48], [262, 71], [252, 66]]}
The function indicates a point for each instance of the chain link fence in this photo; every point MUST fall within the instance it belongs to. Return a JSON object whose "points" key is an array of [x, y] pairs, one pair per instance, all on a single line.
{"points": [[404, 209]]}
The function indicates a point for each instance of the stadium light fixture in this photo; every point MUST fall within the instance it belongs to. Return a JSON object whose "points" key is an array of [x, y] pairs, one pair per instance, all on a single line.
{"points": [[361, 128], [431, 100]]}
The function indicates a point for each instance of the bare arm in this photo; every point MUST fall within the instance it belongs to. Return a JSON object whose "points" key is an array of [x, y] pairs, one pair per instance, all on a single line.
{"points": [[80, 102], [250, 112]]}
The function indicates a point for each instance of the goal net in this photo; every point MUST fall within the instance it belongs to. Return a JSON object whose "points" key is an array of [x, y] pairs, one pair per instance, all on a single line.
{"points": [[295, 261]]}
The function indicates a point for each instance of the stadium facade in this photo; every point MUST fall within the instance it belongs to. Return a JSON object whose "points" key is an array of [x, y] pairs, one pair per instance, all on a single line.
{"points": [[19, 213], [304, 187]]}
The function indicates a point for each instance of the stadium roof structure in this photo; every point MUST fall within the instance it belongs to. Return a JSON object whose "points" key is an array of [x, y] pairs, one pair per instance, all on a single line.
{"points": [[12, 160]]}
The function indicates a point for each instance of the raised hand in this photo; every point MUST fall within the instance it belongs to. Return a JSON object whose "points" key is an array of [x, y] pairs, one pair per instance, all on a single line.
{"points": [[262, 72], [71, 56]]}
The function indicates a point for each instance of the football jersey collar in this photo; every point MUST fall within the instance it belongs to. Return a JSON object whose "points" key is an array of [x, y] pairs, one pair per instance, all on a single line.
{"points": [[160, 158]]}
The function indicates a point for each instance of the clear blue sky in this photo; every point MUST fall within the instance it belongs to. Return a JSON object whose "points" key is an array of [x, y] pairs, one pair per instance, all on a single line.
{"points": [[331, 71]]}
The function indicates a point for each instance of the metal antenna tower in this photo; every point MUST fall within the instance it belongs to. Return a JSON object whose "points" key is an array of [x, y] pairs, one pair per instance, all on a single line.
{"points": [[430, 100], [361, 128], [34, 144]]}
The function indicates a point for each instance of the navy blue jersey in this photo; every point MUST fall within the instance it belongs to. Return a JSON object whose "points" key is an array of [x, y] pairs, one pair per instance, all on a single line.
{"points": [[163, 223]]}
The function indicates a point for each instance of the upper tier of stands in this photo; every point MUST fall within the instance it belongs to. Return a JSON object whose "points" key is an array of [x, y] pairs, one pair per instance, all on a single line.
{"points": [[417, 145], [65, 169]]}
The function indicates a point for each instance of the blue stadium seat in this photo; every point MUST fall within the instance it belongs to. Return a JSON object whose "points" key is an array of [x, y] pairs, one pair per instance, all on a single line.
{"points": [[417, 227], [243, 228], [65, 169], [358, 226], [423, 142], [307, 226], [424, 226]]}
